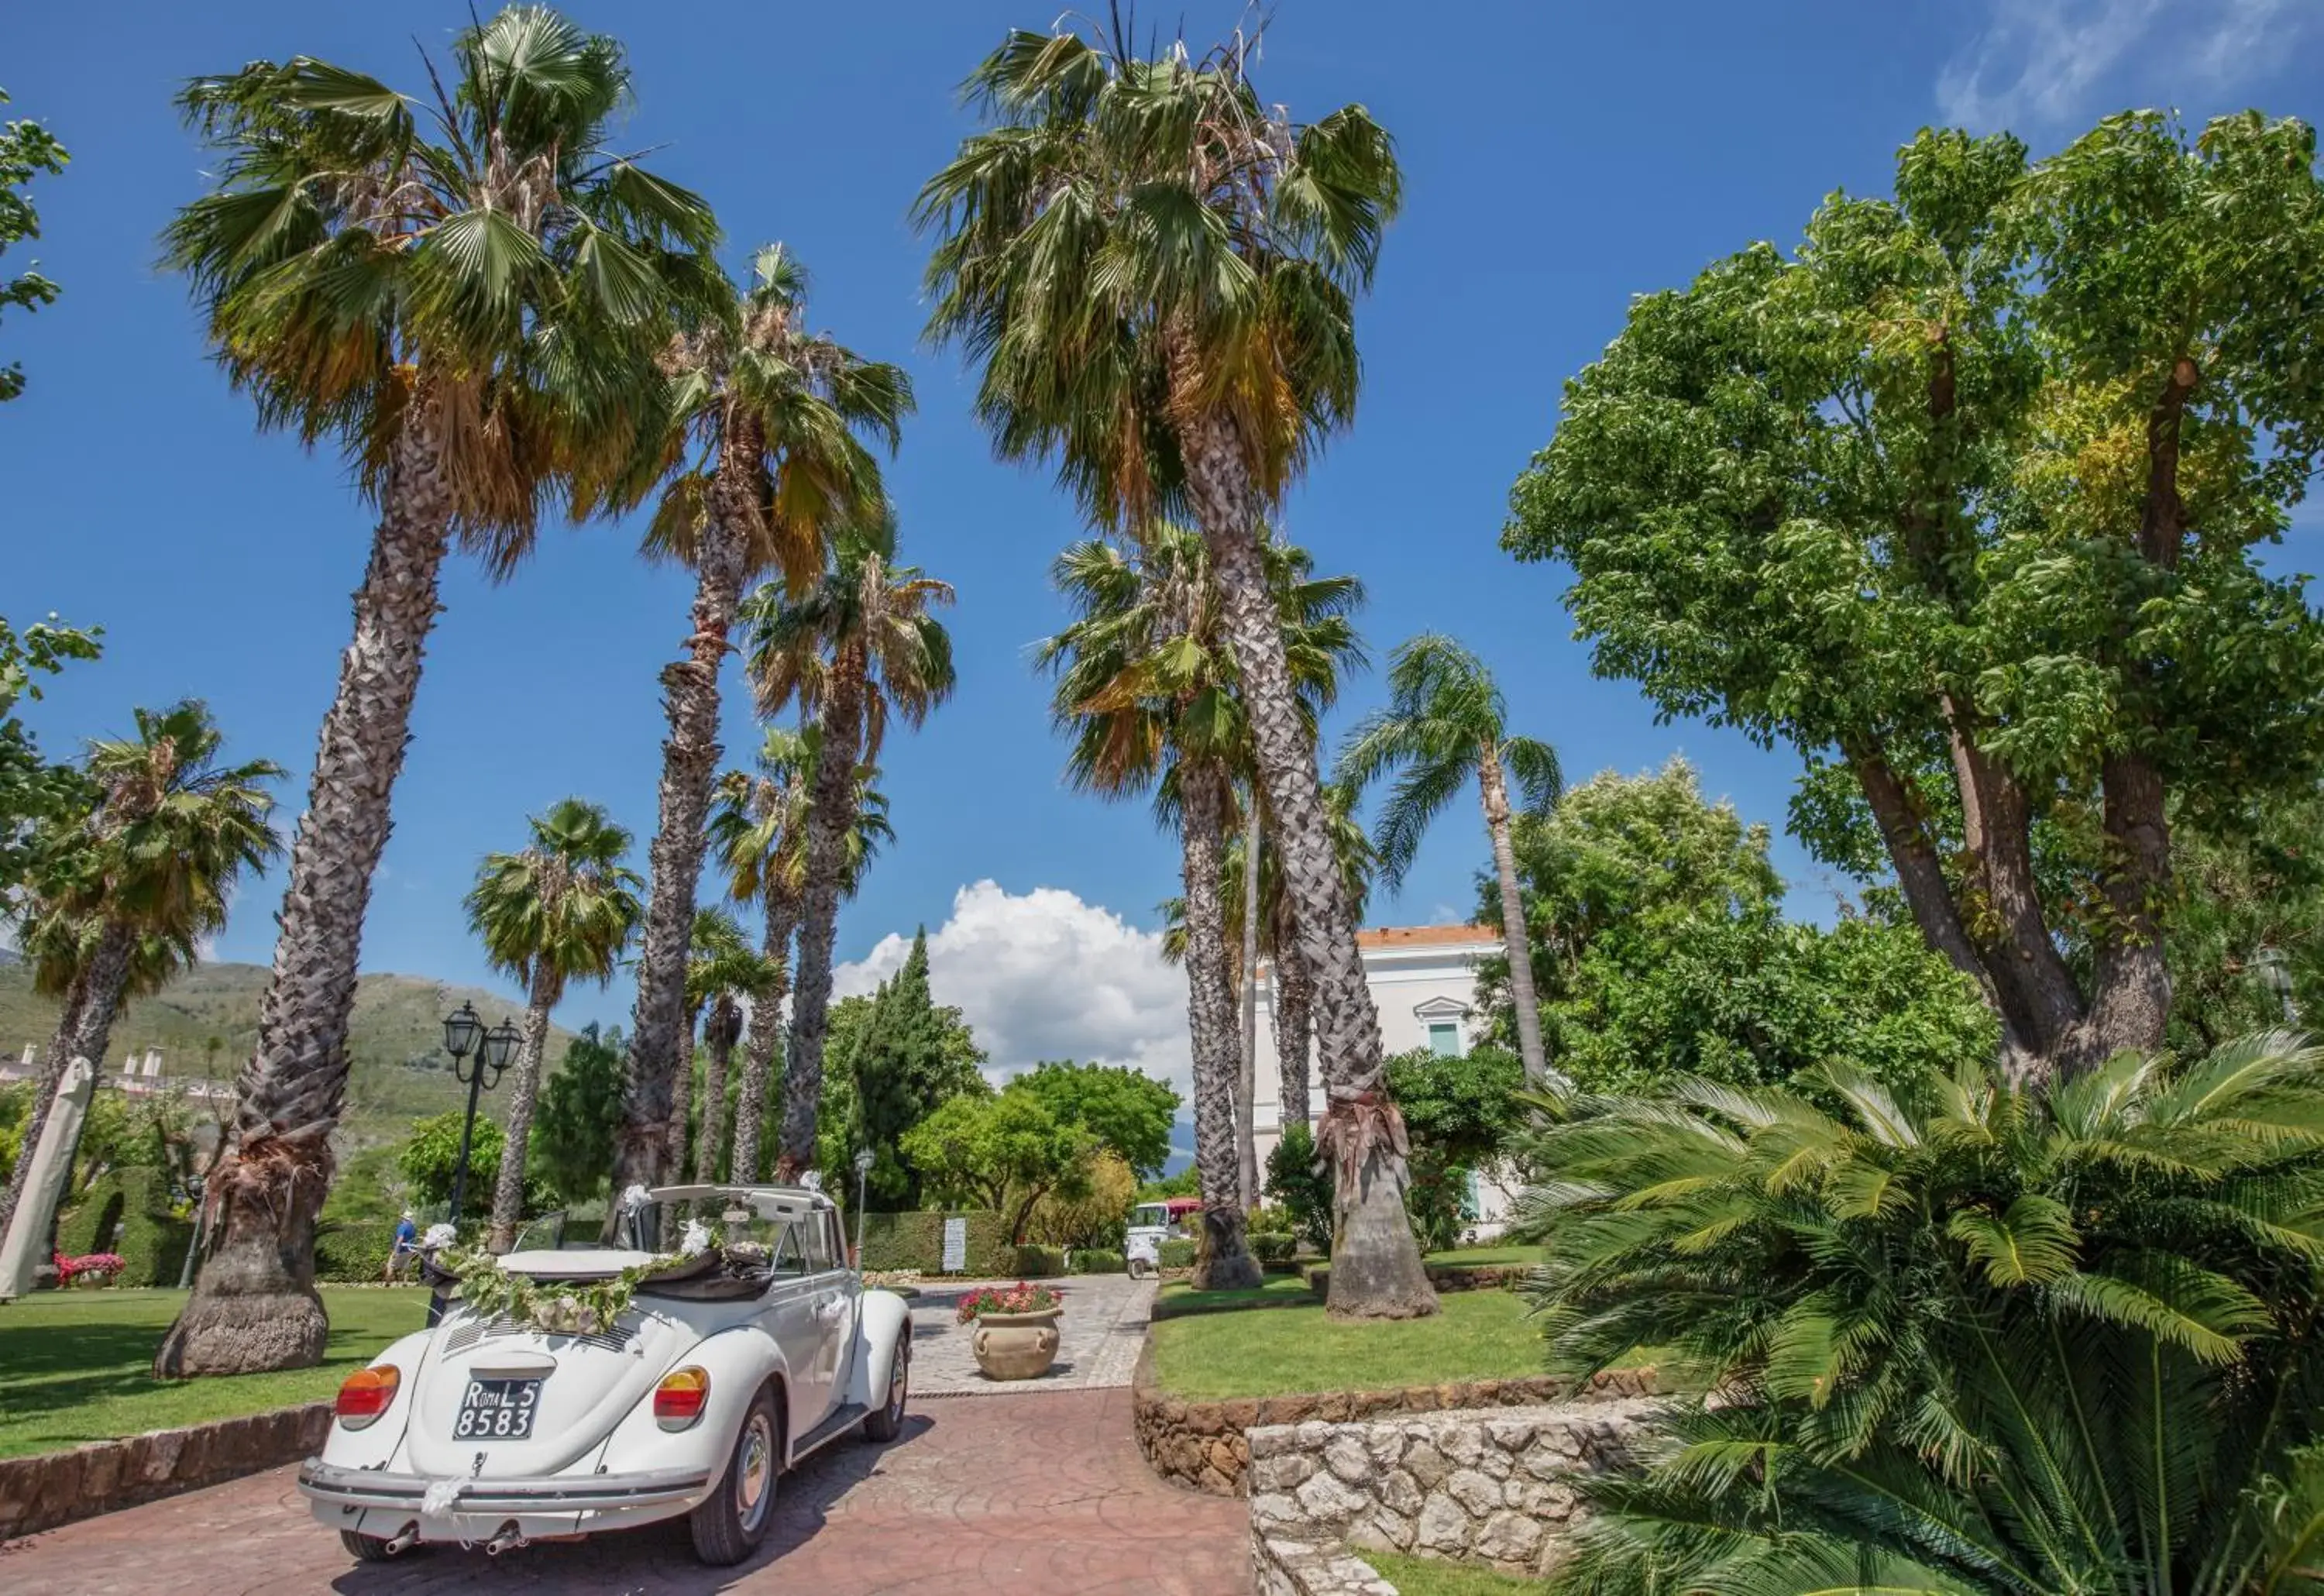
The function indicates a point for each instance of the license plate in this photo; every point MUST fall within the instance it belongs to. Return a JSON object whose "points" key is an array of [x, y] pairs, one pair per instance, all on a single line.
{"points": [[497, 1410]]}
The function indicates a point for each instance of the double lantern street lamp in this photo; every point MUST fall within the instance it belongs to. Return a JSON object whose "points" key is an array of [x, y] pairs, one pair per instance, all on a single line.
{"points": [[465, 1035]]}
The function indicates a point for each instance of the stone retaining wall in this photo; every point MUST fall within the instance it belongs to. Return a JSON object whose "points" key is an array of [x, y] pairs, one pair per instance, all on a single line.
{"points": [[56, 1488], [1202, 1444], [1492, 1487]]}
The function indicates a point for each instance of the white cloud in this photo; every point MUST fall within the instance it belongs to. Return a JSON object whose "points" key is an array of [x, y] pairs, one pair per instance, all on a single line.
{"points": [[1042, 974], [2042, 63]]}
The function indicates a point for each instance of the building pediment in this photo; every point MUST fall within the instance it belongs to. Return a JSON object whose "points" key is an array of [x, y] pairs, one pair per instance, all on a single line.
{"points": [[1439, 1008]]}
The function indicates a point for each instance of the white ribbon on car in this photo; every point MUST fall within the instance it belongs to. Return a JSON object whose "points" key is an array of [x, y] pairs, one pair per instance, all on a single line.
{"points": [[697, 1239], [442, 1496]]}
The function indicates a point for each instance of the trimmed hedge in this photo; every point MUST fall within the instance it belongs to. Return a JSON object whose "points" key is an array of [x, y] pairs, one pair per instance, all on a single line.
{"points": [[127, 1212], [916, 1242], [1176, 1255], [353, 1249], [1039, 1263], [1272, 1246], [1097, 1260]]}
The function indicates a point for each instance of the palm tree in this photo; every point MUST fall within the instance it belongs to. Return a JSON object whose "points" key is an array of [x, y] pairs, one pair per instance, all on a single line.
{"points": [[758, 836], [854, 648], [723, 971], [1157, 270], [1295, 992], [466, 298], [561, 911], [123, 899], [1446, 721], [1149, 698], [771, 412]]}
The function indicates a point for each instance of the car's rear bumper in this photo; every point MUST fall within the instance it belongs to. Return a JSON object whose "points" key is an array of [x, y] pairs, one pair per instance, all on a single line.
{"points": [[328, 1485]]}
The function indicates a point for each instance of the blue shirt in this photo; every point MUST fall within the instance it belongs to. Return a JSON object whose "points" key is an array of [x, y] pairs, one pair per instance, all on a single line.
{"points": [[406, 1233]]}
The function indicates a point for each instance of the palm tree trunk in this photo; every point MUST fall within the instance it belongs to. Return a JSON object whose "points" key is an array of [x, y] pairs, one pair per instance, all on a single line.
{"points": [[1223, 1261], [524, 1089], [689, 763], [681, 1105], [1294, 998], [765, 1038], [827, 819], [1494, 787], [1247, 1081], [1376, 1268], [725, 1025], [254, 1305], [44, 1096]]}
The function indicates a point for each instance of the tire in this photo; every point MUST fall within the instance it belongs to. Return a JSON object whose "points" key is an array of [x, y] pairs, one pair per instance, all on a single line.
{"points": [[729, 1525], [365, 1548], [1137, 1269], [887, 1422]]}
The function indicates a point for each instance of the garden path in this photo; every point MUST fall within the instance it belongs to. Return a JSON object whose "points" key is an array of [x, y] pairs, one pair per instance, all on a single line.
{"points": [[1098, 1338]]}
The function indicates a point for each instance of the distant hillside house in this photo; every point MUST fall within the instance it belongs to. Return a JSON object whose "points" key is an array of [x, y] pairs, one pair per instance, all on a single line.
{"points": [[1423, 982]]}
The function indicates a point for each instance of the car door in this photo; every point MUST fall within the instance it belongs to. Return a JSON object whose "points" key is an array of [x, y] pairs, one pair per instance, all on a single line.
{"points": [[830, 1309], [792, 1315]]}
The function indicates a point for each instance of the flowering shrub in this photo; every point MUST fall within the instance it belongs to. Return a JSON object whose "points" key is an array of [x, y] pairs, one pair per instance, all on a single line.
{"points": [[1020, 1298], [91, 1268]]}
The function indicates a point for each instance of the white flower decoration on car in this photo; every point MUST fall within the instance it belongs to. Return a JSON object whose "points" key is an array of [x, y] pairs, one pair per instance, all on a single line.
{"points": [[697, 1239], [636, 1196]]}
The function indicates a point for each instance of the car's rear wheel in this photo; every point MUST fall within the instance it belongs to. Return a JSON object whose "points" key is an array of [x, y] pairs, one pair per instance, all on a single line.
{"points": [[365, 1548], [887, 1421], [729, 1527]]}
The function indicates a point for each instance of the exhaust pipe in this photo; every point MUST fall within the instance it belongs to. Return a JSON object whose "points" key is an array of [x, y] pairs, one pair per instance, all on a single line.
{"points": [[507, 1540], [401, 1541]]}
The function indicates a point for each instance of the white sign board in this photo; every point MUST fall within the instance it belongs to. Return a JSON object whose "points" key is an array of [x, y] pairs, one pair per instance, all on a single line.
{"points": [[956, 1246]]}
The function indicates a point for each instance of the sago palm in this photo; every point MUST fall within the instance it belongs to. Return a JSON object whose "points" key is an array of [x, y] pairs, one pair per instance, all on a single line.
{"points": [[857, 647], [758, 837], [770, 458], [122, 899], [1156, 270], [1445, 722], [1960, 1336], [465, 293], [561, 911]]}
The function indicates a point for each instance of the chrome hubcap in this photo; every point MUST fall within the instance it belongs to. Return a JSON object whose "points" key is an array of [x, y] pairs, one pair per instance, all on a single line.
{"points": [[896, 1381], [754, 1472]]}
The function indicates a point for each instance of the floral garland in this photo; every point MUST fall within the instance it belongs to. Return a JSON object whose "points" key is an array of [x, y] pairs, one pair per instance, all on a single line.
{"points": [[562, 1307]]}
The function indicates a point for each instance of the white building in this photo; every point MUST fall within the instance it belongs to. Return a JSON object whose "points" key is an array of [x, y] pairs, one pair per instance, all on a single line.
{"points": [[1423, 982]]}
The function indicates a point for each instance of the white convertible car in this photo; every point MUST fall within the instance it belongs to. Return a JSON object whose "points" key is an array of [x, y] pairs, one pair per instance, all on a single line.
{"points": [[724, 1372]]}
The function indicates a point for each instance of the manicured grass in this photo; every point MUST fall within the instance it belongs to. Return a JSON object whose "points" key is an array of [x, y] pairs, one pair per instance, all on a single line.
{"points": [[1424, 1576], [1479, 1335], [77, 1366], [1178, 1298], [1482, 1255]]}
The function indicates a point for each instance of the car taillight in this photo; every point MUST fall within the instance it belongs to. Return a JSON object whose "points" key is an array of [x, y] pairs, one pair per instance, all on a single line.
{"points": [[679, 1398], [367, 1394]]}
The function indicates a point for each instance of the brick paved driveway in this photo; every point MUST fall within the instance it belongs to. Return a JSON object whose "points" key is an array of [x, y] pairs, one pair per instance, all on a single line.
{"points": [[1031, 1495]]}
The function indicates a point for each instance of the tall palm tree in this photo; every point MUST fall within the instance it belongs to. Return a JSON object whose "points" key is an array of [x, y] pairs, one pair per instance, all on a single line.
{"points": [[771, 413], [465, 295], [854, 648], [722, 973], [1148, 696], [1157, 270], [758, 836], [122, 899], [562, 909], [1446, 721], [1295, 991]]}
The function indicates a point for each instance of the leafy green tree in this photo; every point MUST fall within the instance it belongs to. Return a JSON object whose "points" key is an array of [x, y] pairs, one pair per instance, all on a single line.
{"points": [[1660, 949], [563, 910], [580, 1113], [1968, 1337], [1004, 1152], [1156, 269], [126, 893], [1960, 502], [1459, 1111], [32, 789], [1445, 721], [856, 647], [1097, 1217], [466, 291], [771, 412], [1125, 1110], [910, 1056], [2248, 891], [1186, 1183], [430, 1158], [27, 150], [1299, 1181]]}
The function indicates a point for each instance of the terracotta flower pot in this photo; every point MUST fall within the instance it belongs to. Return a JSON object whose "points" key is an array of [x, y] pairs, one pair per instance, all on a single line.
{"points": [[1016, 1346]]}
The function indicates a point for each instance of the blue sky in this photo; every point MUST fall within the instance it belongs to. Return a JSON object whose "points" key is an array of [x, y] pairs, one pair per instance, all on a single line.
{"points": [[1558, 157]]}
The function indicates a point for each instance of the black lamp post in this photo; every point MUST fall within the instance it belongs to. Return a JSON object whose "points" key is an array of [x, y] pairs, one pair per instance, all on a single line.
{"points": [[465, 1034], [863, 1162]]}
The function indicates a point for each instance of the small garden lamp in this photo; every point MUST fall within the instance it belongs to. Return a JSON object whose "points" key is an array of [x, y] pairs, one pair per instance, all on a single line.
{"points": [[863, 1162], [2275, 974]]}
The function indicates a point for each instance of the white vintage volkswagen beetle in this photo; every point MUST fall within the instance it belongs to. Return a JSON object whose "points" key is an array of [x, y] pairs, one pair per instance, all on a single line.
{"points": [[724, 1372]]}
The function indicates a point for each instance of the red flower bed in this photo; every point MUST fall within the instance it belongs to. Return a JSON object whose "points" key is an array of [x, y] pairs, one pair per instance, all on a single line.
{"points": [[91, 1268]]}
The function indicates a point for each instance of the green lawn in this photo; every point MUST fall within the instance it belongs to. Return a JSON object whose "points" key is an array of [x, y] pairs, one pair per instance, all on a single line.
{"points": [[1178, 1298], [76, 1365], [1424, 1576], [1480, 1335], [1481, 1255]]}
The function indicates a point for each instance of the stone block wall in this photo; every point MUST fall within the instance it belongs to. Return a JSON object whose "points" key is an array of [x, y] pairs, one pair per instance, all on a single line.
{"points": [[1492, 1487], [55, 1488]]}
